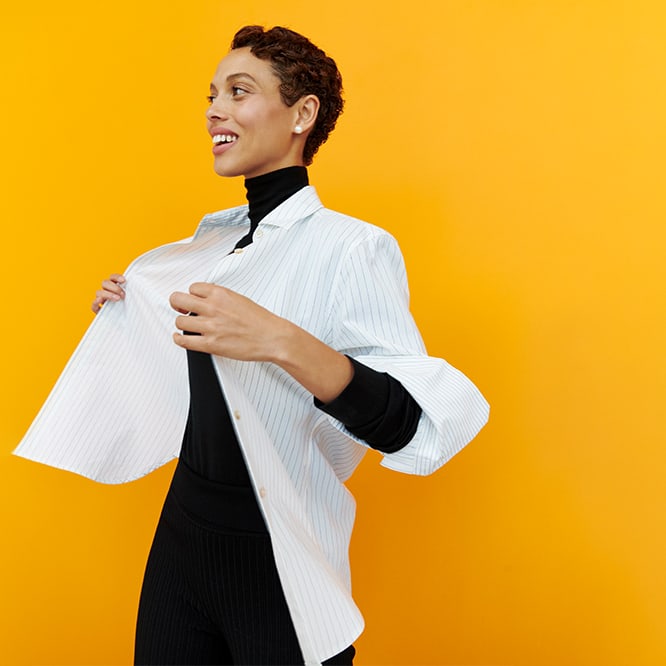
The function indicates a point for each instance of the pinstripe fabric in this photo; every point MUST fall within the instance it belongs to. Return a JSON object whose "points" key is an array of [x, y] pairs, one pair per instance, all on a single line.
{"points": [[341, 279], [211, 596]]}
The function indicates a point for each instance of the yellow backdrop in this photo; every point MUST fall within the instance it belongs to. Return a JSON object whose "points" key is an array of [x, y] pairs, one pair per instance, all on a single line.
{"points": [[516, 150]]}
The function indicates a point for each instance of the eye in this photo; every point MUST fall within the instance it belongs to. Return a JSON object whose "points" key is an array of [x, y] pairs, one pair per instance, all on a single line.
{"points": [[211, 98], [237, 91]]}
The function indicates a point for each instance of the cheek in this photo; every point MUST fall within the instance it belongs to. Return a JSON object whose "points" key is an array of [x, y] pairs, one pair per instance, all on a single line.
{"points": [[257, 122], [271, 123], [277, 116]]}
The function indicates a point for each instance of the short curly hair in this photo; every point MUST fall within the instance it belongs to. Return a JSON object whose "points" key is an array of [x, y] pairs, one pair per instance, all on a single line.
{"points": [[303, 69]]}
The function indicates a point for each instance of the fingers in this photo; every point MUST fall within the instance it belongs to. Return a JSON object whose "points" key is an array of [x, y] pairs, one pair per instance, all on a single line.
{"points": [[184, 303], [191, 342], [204, 289], [228, 324], [195, 301], [110, 291], [102, 296], [190, 324]]}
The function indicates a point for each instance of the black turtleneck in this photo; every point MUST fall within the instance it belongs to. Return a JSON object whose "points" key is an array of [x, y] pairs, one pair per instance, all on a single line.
{"points": [[268, 191], [374, 406]]}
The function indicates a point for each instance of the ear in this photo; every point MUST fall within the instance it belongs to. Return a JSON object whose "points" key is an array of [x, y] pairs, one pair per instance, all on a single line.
{"points": [[307, 108]]}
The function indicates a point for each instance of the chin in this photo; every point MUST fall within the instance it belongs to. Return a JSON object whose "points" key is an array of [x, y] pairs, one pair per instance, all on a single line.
{"points": [[227, 170]]}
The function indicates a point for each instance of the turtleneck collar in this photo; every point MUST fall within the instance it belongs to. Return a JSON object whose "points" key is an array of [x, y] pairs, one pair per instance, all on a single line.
{"points": [[268, 191]]}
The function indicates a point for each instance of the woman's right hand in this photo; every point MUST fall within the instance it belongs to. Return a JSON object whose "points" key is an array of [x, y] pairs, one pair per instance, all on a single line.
{"points": [[110, 291]]}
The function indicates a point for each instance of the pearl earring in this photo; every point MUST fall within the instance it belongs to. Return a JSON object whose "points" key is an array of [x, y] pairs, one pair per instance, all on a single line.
{"points": [[298, 129]]}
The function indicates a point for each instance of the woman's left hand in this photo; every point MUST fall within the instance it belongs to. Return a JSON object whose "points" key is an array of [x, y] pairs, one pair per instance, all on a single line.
{"points": [[228, 324]]}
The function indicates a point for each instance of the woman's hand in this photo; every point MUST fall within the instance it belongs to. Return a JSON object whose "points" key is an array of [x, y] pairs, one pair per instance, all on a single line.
{"points": [[110, 291], [227, 324], [231, 325]]}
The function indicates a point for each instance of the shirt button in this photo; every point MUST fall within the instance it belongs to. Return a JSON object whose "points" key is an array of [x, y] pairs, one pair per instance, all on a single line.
{"points": [[236, 414], [259, 233], [238, 250], [262, 492]]}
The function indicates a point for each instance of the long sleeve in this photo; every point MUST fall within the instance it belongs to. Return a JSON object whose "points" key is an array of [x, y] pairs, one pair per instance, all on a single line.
{"points": [[376, 408], [370, 308]]}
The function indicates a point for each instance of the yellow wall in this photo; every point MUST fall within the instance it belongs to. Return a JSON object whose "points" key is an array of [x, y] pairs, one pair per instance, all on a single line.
{"points": [[516, 149]]}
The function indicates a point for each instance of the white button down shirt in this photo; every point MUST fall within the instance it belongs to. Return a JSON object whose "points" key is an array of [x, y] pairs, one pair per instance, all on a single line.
{"points": [[119, 408]]}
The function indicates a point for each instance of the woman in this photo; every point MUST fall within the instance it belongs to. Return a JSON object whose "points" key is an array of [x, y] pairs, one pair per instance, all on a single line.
{"points": [[301, 352]]}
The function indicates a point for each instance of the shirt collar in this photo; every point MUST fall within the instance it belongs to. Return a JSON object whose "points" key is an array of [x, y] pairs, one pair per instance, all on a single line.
{"points": [[297, 207]]}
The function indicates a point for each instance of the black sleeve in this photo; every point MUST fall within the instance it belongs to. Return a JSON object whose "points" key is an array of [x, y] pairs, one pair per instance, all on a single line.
{"points": [[376, 408]]}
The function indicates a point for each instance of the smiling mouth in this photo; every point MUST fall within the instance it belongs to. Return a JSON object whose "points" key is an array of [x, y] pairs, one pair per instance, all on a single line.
{"points": [[220, 139]]}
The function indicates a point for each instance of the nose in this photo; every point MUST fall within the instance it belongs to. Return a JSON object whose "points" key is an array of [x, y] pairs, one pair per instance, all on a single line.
{"points": [[216, 110]]}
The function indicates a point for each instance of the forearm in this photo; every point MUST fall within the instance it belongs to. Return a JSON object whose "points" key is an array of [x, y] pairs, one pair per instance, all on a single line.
{"points": [[320, 369], [373, 405], [234, 326], [375, 408]]}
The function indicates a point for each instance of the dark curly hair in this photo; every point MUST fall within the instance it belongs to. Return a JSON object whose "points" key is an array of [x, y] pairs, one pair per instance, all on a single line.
{"points": [[303, 69]]}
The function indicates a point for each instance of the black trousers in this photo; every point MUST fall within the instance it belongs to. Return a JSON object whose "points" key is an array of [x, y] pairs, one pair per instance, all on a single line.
{"points": [[211, 593]]}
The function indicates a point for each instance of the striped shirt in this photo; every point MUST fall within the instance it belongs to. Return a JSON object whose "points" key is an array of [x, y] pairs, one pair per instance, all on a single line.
{"points": [[119, 408]]}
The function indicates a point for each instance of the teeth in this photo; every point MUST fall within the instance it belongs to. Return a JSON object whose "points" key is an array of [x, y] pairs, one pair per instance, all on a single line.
{"points": [[224, 138]]}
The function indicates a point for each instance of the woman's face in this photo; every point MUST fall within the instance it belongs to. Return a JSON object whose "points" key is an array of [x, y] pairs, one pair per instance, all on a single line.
{"points": [[252, 128]]}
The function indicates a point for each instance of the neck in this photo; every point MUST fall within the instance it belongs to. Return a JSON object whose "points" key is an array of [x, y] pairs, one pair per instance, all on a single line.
{"points": [[268, 191]]}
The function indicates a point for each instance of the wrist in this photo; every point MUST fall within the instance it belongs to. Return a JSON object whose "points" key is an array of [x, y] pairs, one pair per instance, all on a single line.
{"points": [[284, 345], [321, 370]]}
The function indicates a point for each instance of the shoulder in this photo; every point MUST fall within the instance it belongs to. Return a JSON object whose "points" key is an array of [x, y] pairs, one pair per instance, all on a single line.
{"points": [[347, 232], [351, 252], [343, 221]]}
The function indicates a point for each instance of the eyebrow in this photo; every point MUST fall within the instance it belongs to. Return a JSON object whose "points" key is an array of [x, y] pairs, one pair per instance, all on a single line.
{"points": [[237, 75]]}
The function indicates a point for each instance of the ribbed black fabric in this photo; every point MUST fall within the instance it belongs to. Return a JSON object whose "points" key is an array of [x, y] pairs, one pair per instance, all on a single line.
{"points": [[211, 593], [215, 504], [377, 408], [212, 597], [209, 445], [268, 191]]}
